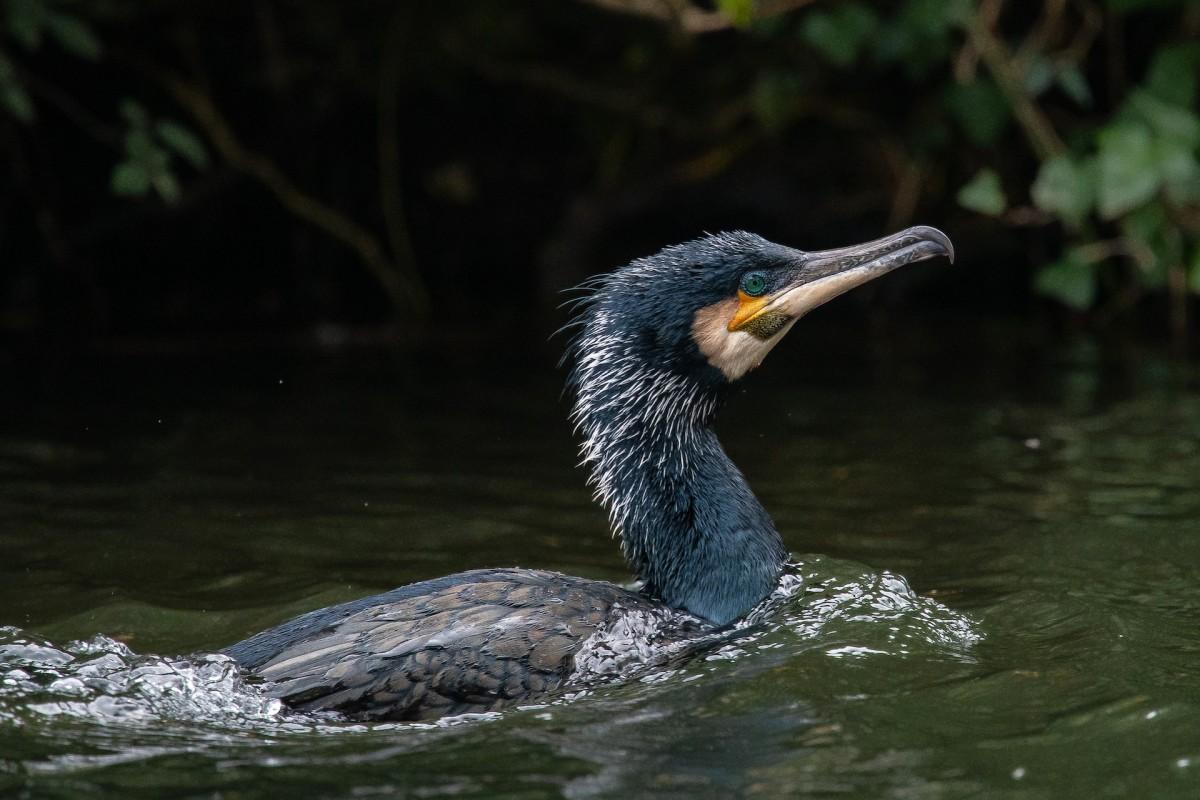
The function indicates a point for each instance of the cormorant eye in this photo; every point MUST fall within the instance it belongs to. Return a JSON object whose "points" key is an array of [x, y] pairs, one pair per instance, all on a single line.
{"points": [[754, 283]]}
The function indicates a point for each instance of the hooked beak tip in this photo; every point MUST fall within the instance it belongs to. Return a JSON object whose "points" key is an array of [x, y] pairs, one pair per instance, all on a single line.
{"points": [[938, 238]]}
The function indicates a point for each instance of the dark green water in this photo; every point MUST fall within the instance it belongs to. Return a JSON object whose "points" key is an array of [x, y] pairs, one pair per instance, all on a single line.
{"points": [[1047, 502]]}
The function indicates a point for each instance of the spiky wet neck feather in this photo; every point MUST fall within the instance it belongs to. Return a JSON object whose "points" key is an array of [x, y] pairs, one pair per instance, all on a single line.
{"points": [[690, 527]]}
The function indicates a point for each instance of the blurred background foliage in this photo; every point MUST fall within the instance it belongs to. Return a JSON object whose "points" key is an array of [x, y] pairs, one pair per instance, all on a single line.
{"points": [[196, 172]]}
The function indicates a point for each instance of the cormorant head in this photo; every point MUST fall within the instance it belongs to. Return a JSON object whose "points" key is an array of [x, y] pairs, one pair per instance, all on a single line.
{"points": [[710, 310], [658, 340]]}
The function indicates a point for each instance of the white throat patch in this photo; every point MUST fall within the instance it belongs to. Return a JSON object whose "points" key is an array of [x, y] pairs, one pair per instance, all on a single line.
{"points": [[733, 352]]}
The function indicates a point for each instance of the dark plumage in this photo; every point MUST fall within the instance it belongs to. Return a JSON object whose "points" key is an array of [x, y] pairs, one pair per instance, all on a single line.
{"points": [[658, 343], [467, 642]]}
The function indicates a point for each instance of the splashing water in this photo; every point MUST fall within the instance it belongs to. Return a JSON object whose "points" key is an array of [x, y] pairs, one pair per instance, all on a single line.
{"points": [[105, 685], [99, 706], [818, 600], [105, 681], [96, 704], [824, 597]]}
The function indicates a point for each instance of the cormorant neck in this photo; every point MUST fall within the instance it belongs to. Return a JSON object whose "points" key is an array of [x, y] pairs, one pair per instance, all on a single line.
{"points": [[689, 525]]}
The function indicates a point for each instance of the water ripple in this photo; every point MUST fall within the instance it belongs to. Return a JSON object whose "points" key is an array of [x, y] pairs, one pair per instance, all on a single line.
{"points": [[116, 706]]}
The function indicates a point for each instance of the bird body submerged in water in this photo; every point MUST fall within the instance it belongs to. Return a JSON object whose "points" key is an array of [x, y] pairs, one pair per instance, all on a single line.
{"points": [[660, 341]]}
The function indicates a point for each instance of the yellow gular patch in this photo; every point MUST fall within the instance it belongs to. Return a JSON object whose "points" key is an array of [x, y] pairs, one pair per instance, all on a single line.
{"points": [[747, 309], [734, 352]]}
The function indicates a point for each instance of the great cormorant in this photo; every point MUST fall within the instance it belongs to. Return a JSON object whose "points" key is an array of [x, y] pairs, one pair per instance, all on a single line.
{"points": [[659, 343]]}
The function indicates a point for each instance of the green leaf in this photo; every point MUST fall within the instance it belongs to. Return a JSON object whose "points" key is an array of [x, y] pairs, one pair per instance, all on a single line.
{"points": [[918, 37], [839, 35], [75, 36], [134, 113], [130, 179], [740, 12], [980, 109], [1176, 135], [1067, 188], [1173, 72], [1171, 122], [1074, 85], [1146, 224], [1150, 227], [983, 193], [14, 98], [139, 145], [1128, 167], [1071, 281], [932, 19], [1180, 171], [183, 142], [893, 45], [167, 187], [1039, 76]]}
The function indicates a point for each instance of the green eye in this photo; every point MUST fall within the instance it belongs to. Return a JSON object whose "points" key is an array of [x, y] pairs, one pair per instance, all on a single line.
{"points": [[754, 283]]}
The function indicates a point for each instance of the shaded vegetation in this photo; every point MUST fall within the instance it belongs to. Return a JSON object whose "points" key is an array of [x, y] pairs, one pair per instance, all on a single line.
{"points": [[207, 170]]}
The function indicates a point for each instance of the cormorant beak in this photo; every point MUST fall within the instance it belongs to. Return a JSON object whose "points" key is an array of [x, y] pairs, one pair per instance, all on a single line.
{"points": [[821, 276]]}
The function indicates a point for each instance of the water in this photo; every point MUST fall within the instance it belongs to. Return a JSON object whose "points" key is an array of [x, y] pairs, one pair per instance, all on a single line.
{"points": [[1041, 506]]}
